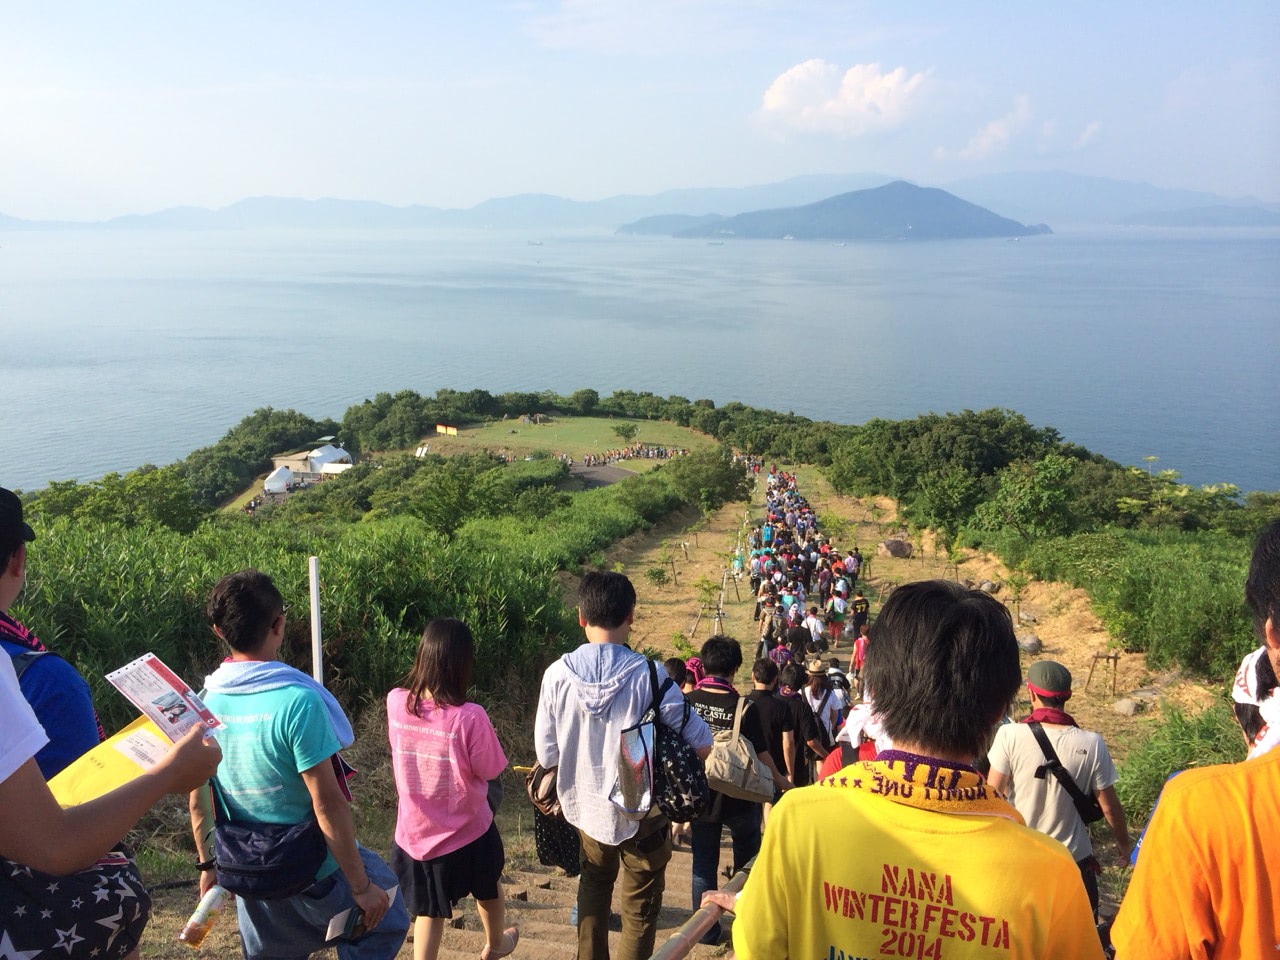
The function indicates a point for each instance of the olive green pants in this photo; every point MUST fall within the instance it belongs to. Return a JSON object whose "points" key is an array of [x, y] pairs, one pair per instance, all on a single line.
{"points": [[643, 860]]}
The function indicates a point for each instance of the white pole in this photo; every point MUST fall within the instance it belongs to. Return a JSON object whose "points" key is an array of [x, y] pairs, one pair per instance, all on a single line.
{"points": [[317, 646]]}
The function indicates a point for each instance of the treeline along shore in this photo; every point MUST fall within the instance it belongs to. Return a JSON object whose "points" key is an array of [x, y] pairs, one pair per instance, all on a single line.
{"points": [[123, 564]]}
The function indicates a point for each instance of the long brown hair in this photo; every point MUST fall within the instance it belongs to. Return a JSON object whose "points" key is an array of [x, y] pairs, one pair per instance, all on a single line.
{"points": [[442, 668]]}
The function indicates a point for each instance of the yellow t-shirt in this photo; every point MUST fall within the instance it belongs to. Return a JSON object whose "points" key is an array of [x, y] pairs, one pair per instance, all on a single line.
{"points": [[1207, 881], [895, 858]]}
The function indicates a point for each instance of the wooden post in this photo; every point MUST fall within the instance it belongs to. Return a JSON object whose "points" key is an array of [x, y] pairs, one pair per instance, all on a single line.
{"points": [[1112, 660]]}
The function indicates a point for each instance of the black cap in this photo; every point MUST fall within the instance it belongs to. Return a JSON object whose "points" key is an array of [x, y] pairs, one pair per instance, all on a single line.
{"points": [[13, 529]]}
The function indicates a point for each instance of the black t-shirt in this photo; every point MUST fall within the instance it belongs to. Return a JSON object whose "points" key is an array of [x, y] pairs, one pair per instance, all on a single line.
{"points": [[806, 728], [717, 709], [861, 606], [776, 718], [797, 637]]}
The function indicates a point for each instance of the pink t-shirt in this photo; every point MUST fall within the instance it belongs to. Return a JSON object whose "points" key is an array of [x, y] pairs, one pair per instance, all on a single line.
{"points": [[443, 761]]}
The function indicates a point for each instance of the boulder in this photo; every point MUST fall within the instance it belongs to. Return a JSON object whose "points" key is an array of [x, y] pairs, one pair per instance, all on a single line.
{"points": [[1029, 644], [899, 549], [1026, 616], [988, 586], [1128, 707]]}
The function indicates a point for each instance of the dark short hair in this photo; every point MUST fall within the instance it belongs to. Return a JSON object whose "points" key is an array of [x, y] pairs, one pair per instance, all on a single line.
{"points": [[1262, 587], [676, 670], [943, 663], [793, 676], [442, 667], [764, 671], [243, 606], [606, 599], [721, 656]]}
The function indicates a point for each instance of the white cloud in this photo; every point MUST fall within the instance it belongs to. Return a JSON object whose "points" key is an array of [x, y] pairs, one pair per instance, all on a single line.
{"points": [[815, 97], [995, 136], [1088, 135]]}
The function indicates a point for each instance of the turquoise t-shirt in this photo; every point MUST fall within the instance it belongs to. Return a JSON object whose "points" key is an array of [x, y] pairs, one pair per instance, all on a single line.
{"points": [[268, 740]]}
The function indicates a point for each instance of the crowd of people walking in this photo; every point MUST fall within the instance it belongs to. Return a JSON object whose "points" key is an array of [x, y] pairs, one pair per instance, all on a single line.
{"points": [[892, 808]]}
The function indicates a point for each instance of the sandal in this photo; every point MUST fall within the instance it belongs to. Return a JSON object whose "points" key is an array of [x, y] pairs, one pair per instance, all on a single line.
{"points": [[510, 936]]}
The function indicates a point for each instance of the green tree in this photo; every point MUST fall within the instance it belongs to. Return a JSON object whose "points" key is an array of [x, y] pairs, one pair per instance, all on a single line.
{"points": [[708, 478], [626, 432], [61, 498], [946, 499], [146, 495], [442, 500], [584, 402], [1032, 499]]}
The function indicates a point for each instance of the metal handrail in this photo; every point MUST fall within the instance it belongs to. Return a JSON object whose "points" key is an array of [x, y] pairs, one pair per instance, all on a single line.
{"points": [[686, 938]]}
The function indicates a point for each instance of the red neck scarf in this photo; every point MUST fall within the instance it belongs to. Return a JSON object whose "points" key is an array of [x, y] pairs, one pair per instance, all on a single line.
{"points": [[1051, 715]]}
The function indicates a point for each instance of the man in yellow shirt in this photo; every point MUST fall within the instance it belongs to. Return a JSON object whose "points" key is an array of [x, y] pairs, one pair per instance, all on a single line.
{"points": [[912, 854]]}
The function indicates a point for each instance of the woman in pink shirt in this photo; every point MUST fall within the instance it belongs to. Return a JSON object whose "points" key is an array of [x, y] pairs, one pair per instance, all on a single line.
{"points": [[444, 751]]}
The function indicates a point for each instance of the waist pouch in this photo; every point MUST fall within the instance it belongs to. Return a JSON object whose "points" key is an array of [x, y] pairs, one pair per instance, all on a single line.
{"points": [[268, 861]]}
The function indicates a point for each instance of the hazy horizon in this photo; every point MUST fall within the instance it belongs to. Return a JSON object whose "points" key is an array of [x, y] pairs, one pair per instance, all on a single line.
{"points": [[442, 106]]}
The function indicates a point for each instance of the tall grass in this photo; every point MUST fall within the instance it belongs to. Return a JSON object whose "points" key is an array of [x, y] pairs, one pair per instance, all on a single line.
{"points": [[1177, 596], [1180, 742], [102, 595]]}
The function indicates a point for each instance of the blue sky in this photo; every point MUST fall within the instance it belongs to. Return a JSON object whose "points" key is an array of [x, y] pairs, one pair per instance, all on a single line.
{"points": [[130, 107]]}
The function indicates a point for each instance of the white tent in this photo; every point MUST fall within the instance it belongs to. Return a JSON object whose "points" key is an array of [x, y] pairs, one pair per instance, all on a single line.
{"points": [[333, 469], [325, 455], [278, 480]]}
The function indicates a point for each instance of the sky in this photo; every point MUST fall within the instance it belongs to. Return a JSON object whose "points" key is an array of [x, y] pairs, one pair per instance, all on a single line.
{"points": [[132, 107]]}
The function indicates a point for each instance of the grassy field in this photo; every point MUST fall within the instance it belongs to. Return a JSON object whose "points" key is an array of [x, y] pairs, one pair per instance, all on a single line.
{"points": [[575, 436], [241, 501]]}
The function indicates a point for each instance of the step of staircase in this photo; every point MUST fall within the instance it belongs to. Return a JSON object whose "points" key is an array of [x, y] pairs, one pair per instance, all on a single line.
{"points": [[540, 901]]}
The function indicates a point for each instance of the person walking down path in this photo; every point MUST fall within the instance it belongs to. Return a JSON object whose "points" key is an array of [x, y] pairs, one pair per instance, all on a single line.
{"points": [[911, 854], [57, 693], [444, 751], [281, 736], [588, 697], [1018, 769], [55, 862], [716, 700], [1207, 880]]}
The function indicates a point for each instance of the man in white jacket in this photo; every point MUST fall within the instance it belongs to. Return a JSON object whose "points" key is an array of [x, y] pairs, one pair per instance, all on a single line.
{"points": [[588, 697]]}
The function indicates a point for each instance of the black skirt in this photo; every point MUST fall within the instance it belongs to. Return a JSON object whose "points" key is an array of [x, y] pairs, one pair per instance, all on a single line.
{"points": [[432, 887]]}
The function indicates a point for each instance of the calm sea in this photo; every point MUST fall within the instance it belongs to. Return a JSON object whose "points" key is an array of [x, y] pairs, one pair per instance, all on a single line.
{"points": [[126, 347]]}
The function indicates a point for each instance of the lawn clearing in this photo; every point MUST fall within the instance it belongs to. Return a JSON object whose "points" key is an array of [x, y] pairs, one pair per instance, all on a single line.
{"points": [[574, 436]]}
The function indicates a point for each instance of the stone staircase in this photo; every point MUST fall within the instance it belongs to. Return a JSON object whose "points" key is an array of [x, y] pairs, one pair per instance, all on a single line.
{"points": [[540, 900]]}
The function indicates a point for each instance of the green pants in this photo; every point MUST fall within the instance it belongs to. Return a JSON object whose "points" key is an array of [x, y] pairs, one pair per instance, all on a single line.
{"points": [[643, 859]]}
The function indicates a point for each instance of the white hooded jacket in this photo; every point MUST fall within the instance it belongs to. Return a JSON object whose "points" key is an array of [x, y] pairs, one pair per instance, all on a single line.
{"points": [[589, 696]]}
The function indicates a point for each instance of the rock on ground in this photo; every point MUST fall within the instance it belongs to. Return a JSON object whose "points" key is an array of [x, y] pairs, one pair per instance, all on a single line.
{"points": [[900, 549]]}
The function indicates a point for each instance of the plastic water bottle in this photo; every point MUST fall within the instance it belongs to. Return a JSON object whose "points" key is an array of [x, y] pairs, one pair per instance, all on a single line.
{"points": [[201, 921]]}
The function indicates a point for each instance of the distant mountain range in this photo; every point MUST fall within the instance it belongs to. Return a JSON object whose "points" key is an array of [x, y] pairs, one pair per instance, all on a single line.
{"points": [[1215, 216], [895, 211], [1059, 198]]}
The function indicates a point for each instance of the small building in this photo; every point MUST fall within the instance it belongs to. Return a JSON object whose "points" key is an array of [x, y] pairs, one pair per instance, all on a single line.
{"points": [[307, 465]]}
